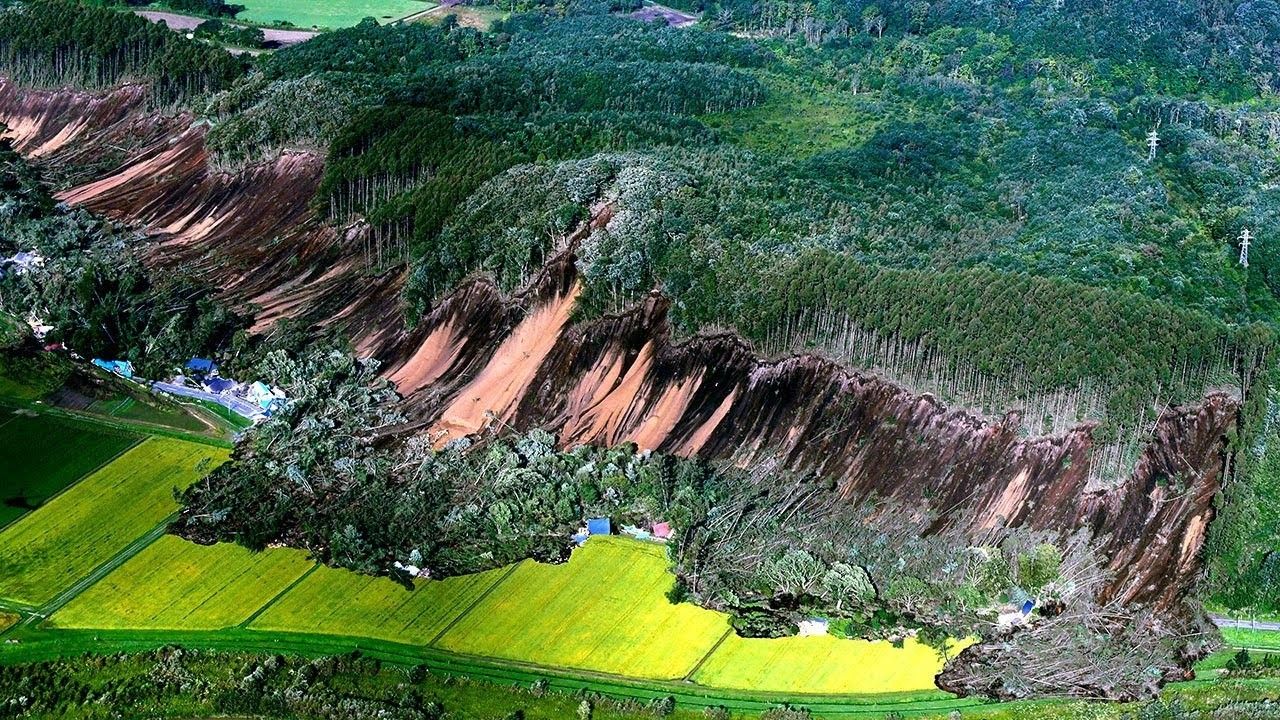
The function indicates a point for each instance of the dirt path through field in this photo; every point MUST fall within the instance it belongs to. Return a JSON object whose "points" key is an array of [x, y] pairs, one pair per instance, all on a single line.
{"points": [[178, 22]]}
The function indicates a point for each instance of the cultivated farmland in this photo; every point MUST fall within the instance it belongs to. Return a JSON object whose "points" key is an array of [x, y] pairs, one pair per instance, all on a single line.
{"points": [[332, 14], [606, 610], [50, 549], [178, 585], [42, 454], [338, 602], [820, 664]]}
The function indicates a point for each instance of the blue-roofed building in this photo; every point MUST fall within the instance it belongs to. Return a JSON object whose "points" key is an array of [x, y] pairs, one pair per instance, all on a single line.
{"points": [[202, 365], [599, 526], [123, 368], [1028, 606], [218, 385]]}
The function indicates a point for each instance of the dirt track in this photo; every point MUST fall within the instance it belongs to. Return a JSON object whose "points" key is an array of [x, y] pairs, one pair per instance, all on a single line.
{"points": [[187, 22]]}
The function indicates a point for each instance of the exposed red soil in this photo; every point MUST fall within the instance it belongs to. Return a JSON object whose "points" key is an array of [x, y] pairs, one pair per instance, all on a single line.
{"points": [[479, 357]]}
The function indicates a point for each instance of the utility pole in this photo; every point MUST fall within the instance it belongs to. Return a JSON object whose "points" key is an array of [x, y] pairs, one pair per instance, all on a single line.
{"points": [[1153, 142], [1245, 238]]}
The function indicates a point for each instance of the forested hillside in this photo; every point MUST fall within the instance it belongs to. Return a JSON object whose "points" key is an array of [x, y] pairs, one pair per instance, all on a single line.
{"points": [[1028, 211]]}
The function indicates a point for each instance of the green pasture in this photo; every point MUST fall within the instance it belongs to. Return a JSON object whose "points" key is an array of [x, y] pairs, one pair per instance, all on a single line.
{"points": [[48, 550], [328, 14], [42, 454], [1250, 638], [175, 584], [338, 602]]}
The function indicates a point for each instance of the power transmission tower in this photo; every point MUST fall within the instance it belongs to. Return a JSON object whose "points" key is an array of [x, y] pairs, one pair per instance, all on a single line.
{"points": [[1245, 238], [1153, 142]]}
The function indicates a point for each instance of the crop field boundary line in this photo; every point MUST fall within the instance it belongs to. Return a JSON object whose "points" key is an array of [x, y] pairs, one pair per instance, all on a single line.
{"points": [[276, 598], [479, 599], [137, 440], [688, 677], [136, 427], [44, 644], [127, 553]]}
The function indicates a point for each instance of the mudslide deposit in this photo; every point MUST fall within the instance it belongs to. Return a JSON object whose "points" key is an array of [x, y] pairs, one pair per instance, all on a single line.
{"points": [[480, 358]]}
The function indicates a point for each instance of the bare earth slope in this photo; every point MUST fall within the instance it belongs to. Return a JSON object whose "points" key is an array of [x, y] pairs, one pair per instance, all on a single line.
{"points": [[481, 357]]}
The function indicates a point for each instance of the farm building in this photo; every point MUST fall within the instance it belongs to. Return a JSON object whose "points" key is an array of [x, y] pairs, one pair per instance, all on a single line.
{"points": [[123, 368], [202, 366], [599, 526], [813, 626], [662, 530], [218, 385]]}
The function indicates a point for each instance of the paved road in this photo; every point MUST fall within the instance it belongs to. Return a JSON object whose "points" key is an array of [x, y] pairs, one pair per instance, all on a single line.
{"points": [[234, 404], [1246, 624], [187, 22]]}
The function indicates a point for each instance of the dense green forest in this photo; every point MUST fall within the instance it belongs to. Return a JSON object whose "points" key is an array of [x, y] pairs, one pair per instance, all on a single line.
{"points": [[1010, 205]]}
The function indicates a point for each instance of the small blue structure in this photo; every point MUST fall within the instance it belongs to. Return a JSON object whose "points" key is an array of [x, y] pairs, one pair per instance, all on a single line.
{"points": [[599, 526], [1028, 606], [580, 539], [219, 385], [201, 365], [123, 368]]}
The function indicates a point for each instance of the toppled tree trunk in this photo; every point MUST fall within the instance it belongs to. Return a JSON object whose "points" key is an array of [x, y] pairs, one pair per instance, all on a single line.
{"points": [[1091, 649]]}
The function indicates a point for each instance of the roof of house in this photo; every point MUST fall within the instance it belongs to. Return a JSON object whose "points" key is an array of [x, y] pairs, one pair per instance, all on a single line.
{"points": [[599, 526], [662, 530], [201, 364], [219, 385]]}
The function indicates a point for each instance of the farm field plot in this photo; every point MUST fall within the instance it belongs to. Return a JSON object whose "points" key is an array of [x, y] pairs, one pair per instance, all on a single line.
{"points": [[820, 664], [606, 610], [1251, 638], [178, 585], [7, 620], [50, 549], [328, 14], [338, 602], [42, 454]]}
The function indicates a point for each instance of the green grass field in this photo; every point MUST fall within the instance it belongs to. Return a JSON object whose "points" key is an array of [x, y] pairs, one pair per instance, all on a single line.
{"points": [[1248, 638], [338, 602], [178, 585], [48, 550], [328, 14], [605, 610], [42, 454]]}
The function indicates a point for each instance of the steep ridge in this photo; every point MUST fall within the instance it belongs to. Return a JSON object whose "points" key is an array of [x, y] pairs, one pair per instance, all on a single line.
{"points": [[481, 358], [624, 379]]}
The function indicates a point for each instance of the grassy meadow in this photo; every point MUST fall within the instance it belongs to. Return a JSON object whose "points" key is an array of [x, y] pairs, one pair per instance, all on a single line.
{"points": [[605, 610], [328, 14], [42, 454], [178, 585], [47, 551], [337, 602]]}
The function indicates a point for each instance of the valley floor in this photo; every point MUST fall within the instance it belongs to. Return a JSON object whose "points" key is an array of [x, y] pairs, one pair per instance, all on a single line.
{"points": [[92, 570]]}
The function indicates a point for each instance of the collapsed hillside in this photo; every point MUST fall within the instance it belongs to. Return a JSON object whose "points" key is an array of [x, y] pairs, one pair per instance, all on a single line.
{"points": [[480, 357], [1013, 388]]}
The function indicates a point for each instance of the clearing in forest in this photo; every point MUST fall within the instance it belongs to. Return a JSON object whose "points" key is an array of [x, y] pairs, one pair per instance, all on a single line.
{"points": [[606, 610], [328, 15], [42, 454], [178, 585], [49, 550], [339, 602]]}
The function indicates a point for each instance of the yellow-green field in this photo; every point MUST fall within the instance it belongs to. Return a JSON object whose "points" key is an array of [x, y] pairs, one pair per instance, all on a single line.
{"points": [[605, 610], [820, 664], [338, 602], [7, 620], [178, 585], [50, 549]]}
